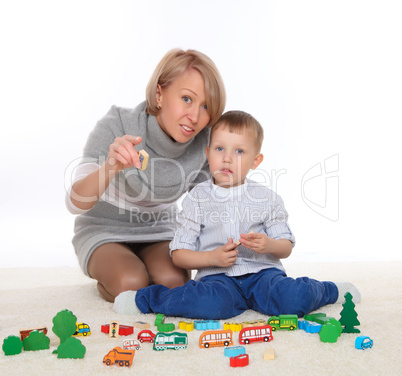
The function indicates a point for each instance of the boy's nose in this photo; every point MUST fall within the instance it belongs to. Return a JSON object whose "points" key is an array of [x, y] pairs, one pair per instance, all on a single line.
{"points": [[227, 158]]}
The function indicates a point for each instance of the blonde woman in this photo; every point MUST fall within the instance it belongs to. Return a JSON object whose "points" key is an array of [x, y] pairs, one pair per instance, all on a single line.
{"points": [[126, 216]]}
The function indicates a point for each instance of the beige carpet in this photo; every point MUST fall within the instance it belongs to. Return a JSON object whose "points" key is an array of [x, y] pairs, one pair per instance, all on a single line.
{"points": [[32, 297]]}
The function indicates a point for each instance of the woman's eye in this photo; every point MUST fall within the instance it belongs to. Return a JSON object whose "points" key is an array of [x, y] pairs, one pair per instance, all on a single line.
{"points": [[187, 99], [205, 107]]}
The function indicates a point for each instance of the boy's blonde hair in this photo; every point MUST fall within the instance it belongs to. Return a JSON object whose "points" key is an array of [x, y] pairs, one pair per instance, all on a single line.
{"points": [[173, 64], [240, 121]]}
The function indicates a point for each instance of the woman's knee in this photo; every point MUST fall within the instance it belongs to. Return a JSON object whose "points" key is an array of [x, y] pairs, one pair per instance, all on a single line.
{"points": [[117, 269], [173, 278]]}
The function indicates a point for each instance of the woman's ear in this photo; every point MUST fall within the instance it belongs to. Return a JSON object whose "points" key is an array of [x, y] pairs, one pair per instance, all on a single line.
{"points": [[158, 95], [257, 160]]}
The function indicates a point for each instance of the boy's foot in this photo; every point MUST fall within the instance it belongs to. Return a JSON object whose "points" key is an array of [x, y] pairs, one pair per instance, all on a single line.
{"points": [[343, 288], [124, 303]]}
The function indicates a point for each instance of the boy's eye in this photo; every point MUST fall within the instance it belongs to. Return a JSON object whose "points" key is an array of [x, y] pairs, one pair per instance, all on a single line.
{"points": [[187, 99], [219, 148], [239, 151]]}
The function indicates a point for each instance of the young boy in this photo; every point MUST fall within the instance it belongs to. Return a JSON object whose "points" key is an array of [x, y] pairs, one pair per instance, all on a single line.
{"points": [[234, 276]]}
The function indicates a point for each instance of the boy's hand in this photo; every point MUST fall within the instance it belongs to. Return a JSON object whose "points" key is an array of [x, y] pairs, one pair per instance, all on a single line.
{"points": [[225, 255], [256, 241]]}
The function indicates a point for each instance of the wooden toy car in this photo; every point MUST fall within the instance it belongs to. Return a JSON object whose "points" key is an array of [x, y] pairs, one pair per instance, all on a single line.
{"points": [[363, 342], [146, 336], [82, 330], [131, 344]]}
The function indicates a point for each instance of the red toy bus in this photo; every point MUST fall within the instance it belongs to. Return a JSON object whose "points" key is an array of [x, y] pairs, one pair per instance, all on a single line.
{"points": [[255, 333]]}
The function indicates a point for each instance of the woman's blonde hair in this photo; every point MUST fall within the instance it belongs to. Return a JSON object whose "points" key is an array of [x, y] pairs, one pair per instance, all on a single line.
{"points": [[173, 64]]}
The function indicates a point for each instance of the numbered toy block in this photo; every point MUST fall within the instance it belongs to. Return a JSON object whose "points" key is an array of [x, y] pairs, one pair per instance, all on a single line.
{"points": [[234, 351], [239, 361], [187, 326], [235, 327], [309, 326], [207, 325]]}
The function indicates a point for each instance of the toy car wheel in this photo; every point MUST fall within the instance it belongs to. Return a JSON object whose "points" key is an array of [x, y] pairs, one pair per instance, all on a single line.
{"points": [[206, 345], [127, 363], [266, 339], [273, 328], [108, 362], [292, 328], [226, 343], [247, 341], [85, 334]]}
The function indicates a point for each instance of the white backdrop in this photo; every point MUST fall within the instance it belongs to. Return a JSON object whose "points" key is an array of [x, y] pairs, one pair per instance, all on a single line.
{"points": [[323, 77]]}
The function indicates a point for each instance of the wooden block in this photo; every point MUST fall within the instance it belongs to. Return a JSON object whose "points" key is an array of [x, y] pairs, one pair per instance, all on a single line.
{"points": [[114, 329], [144, 156], [142, 325], [269, 354]]}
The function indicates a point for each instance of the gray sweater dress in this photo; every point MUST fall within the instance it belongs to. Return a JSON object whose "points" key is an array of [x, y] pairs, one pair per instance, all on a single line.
{"points": [[173, 168]]}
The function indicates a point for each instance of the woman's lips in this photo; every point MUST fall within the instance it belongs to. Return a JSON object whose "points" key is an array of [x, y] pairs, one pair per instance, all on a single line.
{"points": [[186, 129]]}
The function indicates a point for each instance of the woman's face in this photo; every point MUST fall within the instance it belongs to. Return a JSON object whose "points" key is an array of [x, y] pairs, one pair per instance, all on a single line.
{"points": [[183, 112]]}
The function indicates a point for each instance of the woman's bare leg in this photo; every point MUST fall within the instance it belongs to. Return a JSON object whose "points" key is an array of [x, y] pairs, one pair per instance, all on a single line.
{"points": [[160, 267], [117, 269]]}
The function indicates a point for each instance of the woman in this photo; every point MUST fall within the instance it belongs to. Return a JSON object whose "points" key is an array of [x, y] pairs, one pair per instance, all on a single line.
{"points": [[127, 216]]}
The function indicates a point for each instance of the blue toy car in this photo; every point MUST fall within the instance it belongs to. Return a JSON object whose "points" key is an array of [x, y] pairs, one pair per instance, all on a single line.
{"points": [[363, 342]]}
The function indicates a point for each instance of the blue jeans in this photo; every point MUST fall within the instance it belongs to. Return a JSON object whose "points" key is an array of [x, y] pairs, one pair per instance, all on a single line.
{"points": [[218, 296]]}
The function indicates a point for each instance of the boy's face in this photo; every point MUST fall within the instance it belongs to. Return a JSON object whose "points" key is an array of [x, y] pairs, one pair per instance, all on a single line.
{"points": [[231, 156]]}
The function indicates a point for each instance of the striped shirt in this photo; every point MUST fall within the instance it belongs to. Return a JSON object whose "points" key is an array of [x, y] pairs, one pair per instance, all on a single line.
{"points": [[212, 214]]}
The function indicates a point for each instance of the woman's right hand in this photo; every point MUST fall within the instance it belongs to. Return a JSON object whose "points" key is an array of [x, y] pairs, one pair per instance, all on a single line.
{"points": [[122, 153]]}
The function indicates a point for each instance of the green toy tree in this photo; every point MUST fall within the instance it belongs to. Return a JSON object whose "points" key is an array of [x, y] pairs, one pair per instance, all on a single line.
{"points": [[36, 341], [330, 331], [64, 325], [12, 345], [71, 348], [349, 315]]}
